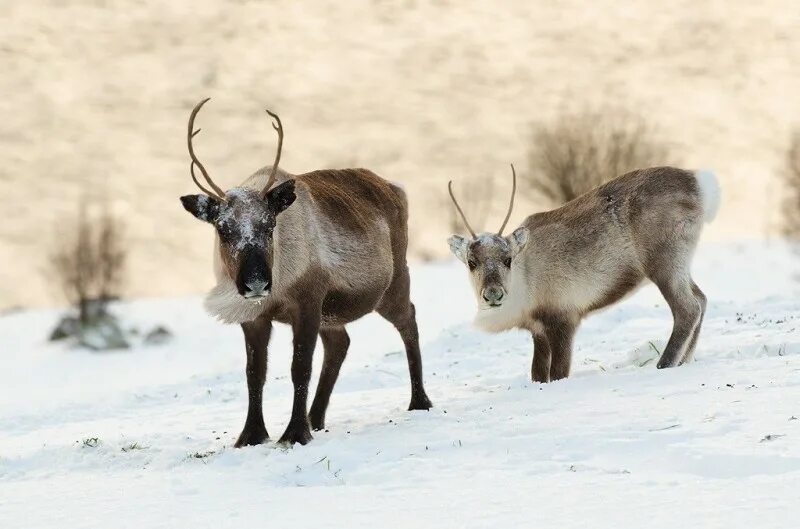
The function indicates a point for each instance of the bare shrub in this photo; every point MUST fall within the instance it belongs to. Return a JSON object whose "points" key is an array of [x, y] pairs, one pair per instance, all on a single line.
{"points": [[475, 197], [89, 261], [791, 205], [579, 152]]}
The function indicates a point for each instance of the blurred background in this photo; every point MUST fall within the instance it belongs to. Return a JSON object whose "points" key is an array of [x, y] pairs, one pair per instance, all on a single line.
{"points": [[96, 95]]}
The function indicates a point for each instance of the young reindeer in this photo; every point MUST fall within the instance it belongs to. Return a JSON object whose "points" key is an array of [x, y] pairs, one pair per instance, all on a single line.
{"points": [[315, 251], [561, 265]]}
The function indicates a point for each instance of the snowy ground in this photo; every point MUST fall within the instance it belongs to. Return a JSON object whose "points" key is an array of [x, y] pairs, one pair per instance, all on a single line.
{"points": [[143, 438]]}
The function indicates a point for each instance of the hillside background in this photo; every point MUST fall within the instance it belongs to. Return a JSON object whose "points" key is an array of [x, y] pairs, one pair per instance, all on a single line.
{"points": [[95, 97]]}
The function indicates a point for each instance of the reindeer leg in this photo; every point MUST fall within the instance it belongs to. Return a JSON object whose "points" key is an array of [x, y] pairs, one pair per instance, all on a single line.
{"points": [[559, 330], [256, 336], [305, 329], [335, 342], [540, 368], [406, 324], [686, 313], [701, 298], [398, 310], [404, 320]]}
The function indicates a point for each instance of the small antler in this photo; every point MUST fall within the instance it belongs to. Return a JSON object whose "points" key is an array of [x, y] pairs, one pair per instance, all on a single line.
{"points": [[218, 193], [511, 204], [274, 174], [463, 217]]}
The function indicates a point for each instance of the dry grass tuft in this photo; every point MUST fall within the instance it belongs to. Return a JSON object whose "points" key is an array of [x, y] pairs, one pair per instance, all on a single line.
{"points": [[579, 152], [89, 262]]}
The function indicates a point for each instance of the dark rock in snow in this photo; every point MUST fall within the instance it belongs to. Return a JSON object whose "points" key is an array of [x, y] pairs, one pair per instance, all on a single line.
{"points": [[67, 327], [103, 333], [157, 336]]}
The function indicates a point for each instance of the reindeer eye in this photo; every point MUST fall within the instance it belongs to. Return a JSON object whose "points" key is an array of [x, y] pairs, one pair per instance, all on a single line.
{"points": [[507, 262], [472, 264]]}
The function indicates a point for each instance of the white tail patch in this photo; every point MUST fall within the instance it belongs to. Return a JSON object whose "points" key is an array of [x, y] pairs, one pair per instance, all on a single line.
{"points": [[709, 193]]}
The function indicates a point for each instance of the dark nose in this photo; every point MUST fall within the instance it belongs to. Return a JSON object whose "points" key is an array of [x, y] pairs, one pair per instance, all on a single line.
{"points": [[493, 295], [256, 288], [254, 279]]}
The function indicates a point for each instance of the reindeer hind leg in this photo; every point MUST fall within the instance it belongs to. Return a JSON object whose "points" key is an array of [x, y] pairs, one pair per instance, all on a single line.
{"points": [[335, 342], [686, 314], [701, 299], [398, 310]]}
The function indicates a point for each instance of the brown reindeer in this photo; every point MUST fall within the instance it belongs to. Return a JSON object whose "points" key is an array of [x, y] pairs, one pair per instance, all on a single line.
{"points": [[315, 251], [561, 265]]}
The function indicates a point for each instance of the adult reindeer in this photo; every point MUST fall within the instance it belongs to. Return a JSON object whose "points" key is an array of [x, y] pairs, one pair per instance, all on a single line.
{"points": [[315, 251], [561, 265]]}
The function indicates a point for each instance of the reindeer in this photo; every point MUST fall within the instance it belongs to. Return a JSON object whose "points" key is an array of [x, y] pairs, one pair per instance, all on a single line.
{"points": [[561, 265], [315, 251]]}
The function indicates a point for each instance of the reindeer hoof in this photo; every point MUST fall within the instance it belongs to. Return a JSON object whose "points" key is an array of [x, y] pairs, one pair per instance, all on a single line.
{"points": [[541, 379], [251, 436], [420, 402], [317, 422], [296, 433], [666, 363]]}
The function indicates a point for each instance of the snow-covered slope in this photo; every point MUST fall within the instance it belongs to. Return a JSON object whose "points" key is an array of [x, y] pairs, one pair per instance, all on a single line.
{"points": [[143, 438]]}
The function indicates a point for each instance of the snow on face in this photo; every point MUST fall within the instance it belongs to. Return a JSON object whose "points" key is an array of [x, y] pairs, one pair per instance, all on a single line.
{"points": [[245, 221], [203, 203]]}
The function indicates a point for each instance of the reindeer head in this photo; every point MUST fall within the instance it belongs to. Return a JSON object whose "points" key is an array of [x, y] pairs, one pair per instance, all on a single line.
{"points": [[244, 218], [489, 256]]}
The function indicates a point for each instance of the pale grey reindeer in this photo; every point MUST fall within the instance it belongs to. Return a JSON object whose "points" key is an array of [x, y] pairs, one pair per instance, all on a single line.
{"points": [[564, 264], [315, 251]]}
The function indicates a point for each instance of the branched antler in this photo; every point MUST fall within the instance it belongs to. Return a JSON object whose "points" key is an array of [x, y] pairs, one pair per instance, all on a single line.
{"points": [[190, 134]]}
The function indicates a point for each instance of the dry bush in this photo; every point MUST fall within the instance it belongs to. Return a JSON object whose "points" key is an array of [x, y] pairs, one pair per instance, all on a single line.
{"points": [[475, 197], [89, 262], [791, 205], [579, 152]]}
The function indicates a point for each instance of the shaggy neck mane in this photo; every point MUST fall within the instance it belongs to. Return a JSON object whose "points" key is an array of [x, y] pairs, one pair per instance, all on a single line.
{"points": [[226, 304]]}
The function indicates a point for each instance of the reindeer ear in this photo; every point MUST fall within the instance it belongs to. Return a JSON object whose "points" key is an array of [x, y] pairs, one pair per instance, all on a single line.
{"points": [[518, 239], [459, 246], [281, 197], [203, 207]]}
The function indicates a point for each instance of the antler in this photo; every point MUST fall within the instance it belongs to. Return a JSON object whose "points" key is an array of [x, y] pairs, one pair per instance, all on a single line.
{"points": [[463, 217], [511, 205], [191, 133], [274, 174]]}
